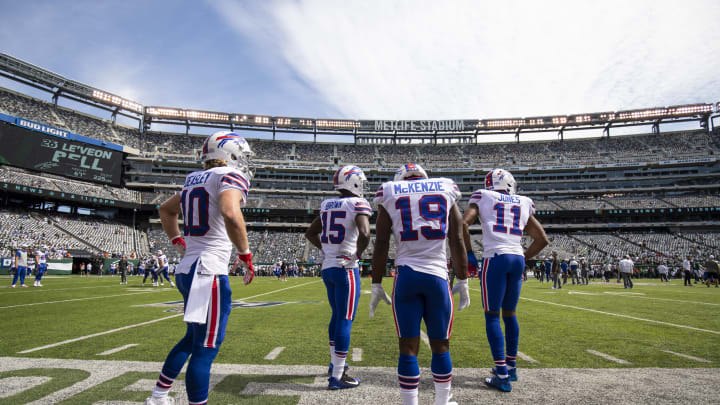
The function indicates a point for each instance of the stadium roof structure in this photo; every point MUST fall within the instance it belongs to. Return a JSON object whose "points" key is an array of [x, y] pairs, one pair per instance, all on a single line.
{"points": [[370, 131]]}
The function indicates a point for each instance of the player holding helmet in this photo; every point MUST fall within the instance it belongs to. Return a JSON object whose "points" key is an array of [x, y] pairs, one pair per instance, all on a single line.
{"points": [[504, 216], [342, 232], [421, 213], [210, 203]]}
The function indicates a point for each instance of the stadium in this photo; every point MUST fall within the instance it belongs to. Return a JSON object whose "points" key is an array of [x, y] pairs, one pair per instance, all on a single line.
{"points": [[87, 187]]}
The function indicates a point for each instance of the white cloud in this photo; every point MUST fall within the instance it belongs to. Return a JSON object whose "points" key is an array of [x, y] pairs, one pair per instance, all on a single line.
{"points": [[471, 59]]}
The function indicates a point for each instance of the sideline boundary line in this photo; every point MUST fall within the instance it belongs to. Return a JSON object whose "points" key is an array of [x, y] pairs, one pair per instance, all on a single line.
{"points": [[137, 324]]}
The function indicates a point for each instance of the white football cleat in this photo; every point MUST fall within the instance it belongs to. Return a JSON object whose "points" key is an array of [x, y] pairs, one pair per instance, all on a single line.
{"points": [[160, 401]]}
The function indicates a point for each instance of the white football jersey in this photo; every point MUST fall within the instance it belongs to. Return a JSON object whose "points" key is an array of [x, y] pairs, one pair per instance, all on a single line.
{"points": [[503, 218], [21, 258], [162, 259], [204, 226], [339, 231], [42, 257], [419, 210]]}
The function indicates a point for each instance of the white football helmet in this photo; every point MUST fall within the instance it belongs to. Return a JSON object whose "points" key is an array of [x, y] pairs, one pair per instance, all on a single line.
{"points": [[231, 147], [159, 252], [500, 180], [409, 170], [350, 178]]}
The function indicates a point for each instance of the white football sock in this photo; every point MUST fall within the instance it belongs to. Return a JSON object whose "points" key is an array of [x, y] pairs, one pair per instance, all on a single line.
{"points": [[409, 397], [338, 366], [442, 393]]}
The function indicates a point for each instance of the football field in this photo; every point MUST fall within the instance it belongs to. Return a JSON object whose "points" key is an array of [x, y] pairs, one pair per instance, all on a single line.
{"points": [[94, 341]]}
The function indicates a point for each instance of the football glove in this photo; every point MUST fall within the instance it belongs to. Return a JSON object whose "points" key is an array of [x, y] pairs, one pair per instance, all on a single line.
{"points": [[249, 268], [179, 243], [472, 259], [377, 294], [461, 287]]}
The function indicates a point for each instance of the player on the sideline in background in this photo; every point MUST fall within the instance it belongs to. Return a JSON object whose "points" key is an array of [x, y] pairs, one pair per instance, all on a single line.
{"points": [[40, 265], [163, 268], [150, 267], [504, 216], [20, 264], [122, 266], [210, 202], [342, 232], [420, 213]]}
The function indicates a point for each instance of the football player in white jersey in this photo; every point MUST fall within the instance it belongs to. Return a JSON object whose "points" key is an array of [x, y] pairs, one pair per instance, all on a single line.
{"points": [[420, 213], [40, 265], [342, 232], [163, 268], [150, 270], [20, 262], [503, 216], [210, 202]]}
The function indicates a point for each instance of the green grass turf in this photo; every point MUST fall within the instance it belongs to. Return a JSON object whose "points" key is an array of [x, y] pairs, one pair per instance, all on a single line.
{"points": [[554, 336]]}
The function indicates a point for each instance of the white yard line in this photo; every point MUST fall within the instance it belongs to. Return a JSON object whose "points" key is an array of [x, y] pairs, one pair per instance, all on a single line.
{"points": [[623, 316], [74, 299], [424, 338], [701, 360], [357, 354], [138, 324], [526, 357], [117, 349], [97, 334], [274, 353], [282, 289], [46, 290], [608, 357], [665, 299]]}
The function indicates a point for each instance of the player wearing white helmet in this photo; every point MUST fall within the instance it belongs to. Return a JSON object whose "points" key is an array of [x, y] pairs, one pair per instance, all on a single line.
{"points": [[342, 232], [503, 216], [210, 203], [421, 213]]}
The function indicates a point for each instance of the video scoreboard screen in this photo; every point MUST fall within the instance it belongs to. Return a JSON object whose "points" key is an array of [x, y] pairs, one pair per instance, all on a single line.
{"points": [[54, 154]]}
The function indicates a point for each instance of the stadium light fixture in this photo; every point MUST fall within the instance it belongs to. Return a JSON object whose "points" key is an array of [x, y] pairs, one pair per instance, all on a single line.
{"points": [[117, 101]]}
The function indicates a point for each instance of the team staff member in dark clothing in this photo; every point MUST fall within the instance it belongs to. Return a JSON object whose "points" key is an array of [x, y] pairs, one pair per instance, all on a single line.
{"points": [[557, 281], [122, 267], [712, 270], [687, 272]]}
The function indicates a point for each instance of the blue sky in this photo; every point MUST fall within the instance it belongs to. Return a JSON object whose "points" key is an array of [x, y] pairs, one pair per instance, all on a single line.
{"points": [[378, 59]]}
